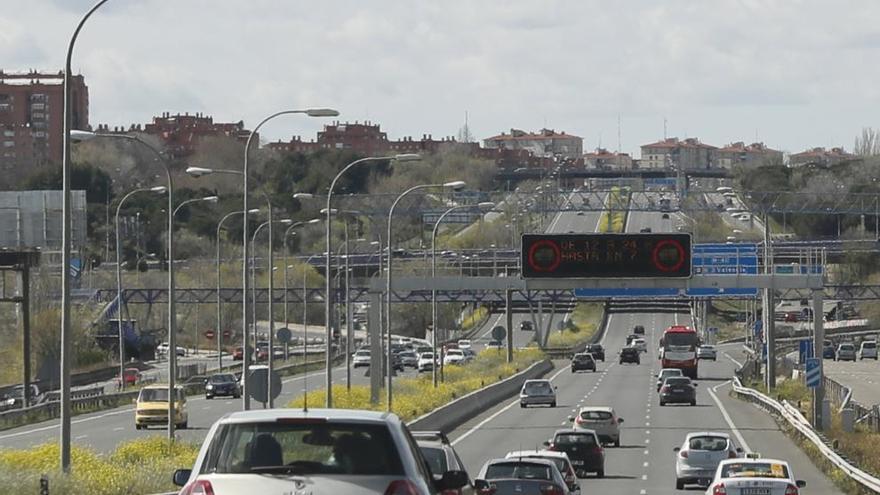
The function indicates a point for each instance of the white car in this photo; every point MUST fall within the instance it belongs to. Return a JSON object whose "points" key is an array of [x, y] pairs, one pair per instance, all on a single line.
{"points": [[868, 350], [666, 373], [640, 344], [464, 344], [361, 358], [427, 361], [326, 450], [765, 476], [601, 419], [495, 344], [563, 464], [698, 457], [707, 352], [453, 356], [409, 358], [520, 476]]}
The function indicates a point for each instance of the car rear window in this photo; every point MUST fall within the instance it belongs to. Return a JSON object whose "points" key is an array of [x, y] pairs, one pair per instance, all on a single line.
{"points": [[538, 387], [583, 357], [519, 470], [436, 459], [846, 347], [304, 448], [669, 373], [869, 345], [596, 415], [678, 381], [561, 465], [563, 439], [754, 470], [711, 443]]}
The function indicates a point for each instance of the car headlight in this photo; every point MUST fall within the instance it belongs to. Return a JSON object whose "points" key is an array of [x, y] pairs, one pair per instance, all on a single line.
{"points": [[209, 387]]}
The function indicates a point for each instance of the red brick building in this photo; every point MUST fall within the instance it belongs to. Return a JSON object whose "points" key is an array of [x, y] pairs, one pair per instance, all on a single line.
{"points": [[820, 156], [32, 119], [181, 133]]}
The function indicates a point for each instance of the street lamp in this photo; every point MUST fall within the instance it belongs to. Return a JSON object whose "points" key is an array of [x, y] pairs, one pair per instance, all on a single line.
{"points": [[287, 234], [120, 300], [488, 205], [271, 356], [328, 299], [78, 135], [454, 185], [219, 302], [66, 240]]}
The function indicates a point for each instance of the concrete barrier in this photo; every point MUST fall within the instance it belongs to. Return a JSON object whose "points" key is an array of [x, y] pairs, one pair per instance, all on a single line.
{"points": [[448, 417]]}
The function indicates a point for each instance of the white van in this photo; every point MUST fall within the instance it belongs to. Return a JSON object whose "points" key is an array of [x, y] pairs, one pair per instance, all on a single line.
{"points": [[868, 350]]}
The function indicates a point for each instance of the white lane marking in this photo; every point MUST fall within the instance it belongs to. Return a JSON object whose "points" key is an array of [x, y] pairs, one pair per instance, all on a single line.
{"points": [[646, 452], [118, 428], [643, 491], [496, 414], [50, 427], [645, 464], [644, 477], [734, 360], [730, 423], [80, 437]]}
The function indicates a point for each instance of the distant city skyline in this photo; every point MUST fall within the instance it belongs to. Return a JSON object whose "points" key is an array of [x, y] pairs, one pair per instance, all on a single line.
{"points": [[784, 74]]}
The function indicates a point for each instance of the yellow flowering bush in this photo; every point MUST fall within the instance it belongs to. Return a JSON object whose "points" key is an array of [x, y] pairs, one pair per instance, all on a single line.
{"points": [[414, 397], [137, 467]]}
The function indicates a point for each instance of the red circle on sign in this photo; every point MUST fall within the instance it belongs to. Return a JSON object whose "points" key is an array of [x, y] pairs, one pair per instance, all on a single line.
{"points": [[209, 334], [557, 256], [665, 244], [226, 334]]}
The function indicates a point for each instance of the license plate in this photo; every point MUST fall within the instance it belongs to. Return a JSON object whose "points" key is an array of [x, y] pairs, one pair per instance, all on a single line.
{"points": [[577, 463], [755, 491], [678, 390]]}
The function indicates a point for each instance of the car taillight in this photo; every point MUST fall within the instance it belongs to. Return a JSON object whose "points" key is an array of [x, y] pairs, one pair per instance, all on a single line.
{"points": [[489, 490], [664, 389], [551, 490], [401, 487], [719, 489], [598, 449], [579, 420], [551, 447], [683, 453], [732, 455], [791, 490], [198, 487]]}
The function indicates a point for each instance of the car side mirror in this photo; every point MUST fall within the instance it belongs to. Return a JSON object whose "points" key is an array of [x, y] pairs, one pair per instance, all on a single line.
{"points": [[739, 450], [696, 384], [677, 449], [181, 476], [620, 420], [555, 387], [571, 419], [482, 486], [546, 443], [452, 480], [800, 483]]}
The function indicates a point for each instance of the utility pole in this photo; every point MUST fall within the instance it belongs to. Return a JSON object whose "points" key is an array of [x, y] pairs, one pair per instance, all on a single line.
{"points": [[768, 310]]}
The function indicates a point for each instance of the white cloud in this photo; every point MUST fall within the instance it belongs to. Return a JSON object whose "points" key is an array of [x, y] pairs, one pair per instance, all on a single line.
{"points": [[800, 72]]}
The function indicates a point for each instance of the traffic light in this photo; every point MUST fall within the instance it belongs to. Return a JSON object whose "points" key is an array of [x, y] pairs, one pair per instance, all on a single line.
{"points": [[647, 255]]}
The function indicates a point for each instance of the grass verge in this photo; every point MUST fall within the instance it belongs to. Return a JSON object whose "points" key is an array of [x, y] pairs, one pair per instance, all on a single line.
{"points": [[140, 466], [474, 318], [414, 397], [614, 218], [582, 326]]}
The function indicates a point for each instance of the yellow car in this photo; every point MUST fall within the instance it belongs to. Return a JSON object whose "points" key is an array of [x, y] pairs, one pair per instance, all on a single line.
{"points": [[152, 407]]}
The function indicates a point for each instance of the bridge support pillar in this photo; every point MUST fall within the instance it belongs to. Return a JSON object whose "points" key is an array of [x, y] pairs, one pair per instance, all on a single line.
{"points": [[375, 328], [508, 301], [818, 339]]}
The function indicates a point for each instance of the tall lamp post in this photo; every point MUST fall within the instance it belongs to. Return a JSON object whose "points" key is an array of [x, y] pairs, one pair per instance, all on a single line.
{"points": [[77, 135], [271, 356], [448, 185], [287, 234], [120, 300], [219, 299], [66, 240], [488, 205], [328, 295]]}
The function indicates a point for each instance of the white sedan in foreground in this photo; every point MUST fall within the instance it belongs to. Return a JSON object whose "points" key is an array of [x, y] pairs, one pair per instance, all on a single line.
{"points": [[754, 477]]}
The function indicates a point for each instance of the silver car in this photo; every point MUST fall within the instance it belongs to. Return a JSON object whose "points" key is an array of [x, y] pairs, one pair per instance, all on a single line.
{"points": [[707, 352], [520, 477], [846, 352], [318, 451], [698, 457], [537, 392]]}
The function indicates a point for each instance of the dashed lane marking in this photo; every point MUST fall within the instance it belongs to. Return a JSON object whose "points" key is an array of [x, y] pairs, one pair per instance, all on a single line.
{"points": [[730, 423]]}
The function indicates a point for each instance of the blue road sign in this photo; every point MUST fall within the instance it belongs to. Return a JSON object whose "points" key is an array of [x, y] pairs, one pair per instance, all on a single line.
{"points": [[814, 372], [627, 292], [805, 350]]}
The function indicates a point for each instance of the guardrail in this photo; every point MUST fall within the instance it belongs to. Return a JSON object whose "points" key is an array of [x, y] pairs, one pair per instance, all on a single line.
{"points": [[799, 423]]}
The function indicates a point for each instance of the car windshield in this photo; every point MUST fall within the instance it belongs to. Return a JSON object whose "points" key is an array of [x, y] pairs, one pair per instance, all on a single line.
{"points": [[755, 470], [362, 353], [846, 347], [303, 447], [560, 463], [538, 388], [224, 378], [583, 357], [426, 355], [156, 395], [436, 459], [596, 415], [519, 470], [668, 373], [711, 443], [564, 439], [680, 339], [869, 345], [454, 352]]}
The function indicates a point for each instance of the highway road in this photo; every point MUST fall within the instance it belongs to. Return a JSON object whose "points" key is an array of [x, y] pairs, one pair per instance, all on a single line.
{"points": [[863, 377], [644, 464]]}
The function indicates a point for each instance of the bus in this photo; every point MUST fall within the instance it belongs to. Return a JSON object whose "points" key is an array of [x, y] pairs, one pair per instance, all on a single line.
{"points": [[678, 349]]}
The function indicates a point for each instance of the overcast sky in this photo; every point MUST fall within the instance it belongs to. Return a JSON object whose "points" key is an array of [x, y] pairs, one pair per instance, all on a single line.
{"points": [[793, 73]]}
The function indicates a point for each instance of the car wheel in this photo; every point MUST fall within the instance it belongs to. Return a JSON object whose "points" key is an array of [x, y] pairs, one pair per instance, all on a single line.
{"points": [[693, 402], [600, 473], [662, 403], [553, 404], [617, 442], [523, 406], [137, 427], [679, 484], [182, 426], [236, 396], [209, 397]]}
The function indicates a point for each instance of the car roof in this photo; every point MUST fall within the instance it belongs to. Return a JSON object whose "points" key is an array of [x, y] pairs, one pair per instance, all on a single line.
{"points": [[534, 453], [264, 415], [572, 431], [537, 380], [706, 434], [671, 369], [746, 460], [160, 386], [531, 460]]}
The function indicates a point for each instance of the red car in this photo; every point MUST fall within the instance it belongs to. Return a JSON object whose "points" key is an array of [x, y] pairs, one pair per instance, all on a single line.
{"points": [[238, 354], [130, 376]]}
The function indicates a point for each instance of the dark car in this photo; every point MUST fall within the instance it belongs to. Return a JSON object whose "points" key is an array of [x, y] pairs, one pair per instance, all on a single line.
{"points": [[639, 330], [597, 351], [646, 230], [583, 449], [238, 354], [583, 361], [222, 384], [630, 338], [678, 390], [526, 326], [630, 355], [828, 352]]}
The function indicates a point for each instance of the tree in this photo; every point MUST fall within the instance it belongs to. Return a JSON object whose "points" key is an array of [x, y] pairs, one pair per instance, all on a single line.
{"points": [[868, 143]]}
